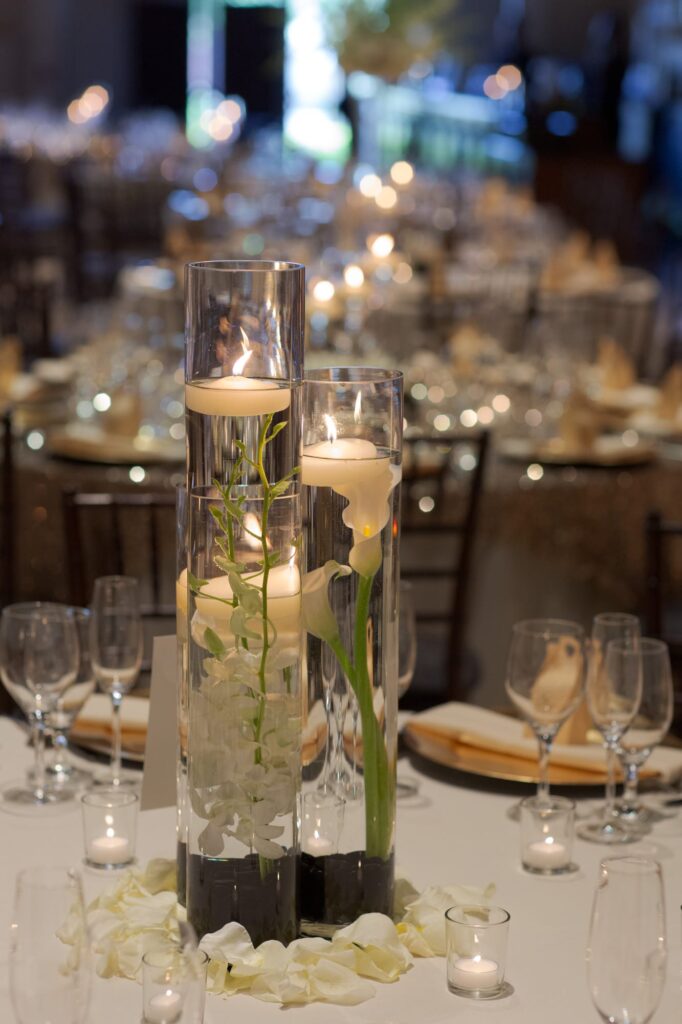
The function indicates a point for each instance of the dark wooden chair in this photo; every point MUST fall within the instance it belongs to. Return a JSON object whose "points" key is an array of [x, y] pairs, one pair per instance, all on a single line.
{"points": [[663, 607], [130, 534], [442, 486]]}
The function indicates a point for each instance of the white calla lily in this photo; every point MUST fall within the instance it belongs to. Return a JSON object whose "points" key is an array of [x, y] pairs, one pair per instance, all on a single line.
{"points": [[318, 617]]}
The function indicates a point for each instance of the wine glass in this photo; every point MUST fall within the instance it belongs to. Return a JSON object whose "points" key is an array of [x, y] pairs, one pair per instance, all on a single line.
{"points": [[38, 661], [546, 680], [61, 718], [116, 652], [49, 958], [626, 953], [647, 729], [614, 691], [406, 785]]}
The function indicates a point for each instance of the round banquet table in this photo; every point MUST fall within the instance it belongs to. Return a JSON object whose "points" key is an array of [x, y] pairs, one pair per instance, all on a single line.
{"points": [[453, 831]]}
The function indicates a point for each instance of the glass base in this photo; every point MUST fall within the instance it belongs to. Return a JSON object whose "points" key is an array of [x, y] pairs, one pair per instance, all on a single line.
{"points": [[641, 815], [499, 992], [567, 869], [18, 798], [610, 833]]}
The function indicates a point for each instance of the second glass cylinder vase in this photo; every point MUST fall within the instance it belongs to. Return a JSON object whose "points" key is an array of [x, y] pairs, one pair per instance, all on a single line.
{"points": [[350, 469]]}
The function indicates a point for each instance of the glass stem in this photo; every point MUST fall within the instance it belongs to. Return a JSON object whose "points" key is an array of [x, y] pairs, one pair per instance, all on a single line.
{"points": [[545, 745], [610, 782], [60, 753], [39, 763], [631, 785], [116, 699]]}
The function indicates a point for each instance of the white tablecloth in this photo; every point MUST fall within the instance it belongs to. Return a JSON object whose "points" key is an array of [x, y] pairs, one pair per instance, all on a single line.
{"points": [[449, 833]]}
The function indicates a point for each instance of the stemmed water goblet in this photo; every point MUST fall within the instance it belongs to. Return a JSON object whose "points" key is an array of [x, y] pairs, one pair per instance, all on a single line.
{"points": [[626, 954], [545, 680], [61, 718], [116, 652], [614, 692], [49, 956], [647, 729], [38, 661]]}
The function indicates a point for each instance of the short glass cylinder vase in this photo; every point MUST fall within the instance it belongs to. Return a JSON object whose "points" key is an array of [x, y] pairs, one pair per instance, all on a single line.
{"points": [[243, 367], [350, 470], [244, 740]]}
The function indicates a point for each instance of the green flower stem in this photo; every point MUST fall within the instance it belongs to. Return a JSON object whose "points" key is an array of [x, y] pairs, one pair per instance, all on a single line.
{"points": [[378, 823]]}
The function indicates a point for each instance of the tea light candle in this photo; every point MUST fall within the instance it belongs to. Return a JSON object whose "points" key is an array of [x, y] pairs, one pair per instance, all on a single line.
{"points": [[109, 850], [473, 973], [164, 1008], [236, 395], [318, 846], [546, 854]]}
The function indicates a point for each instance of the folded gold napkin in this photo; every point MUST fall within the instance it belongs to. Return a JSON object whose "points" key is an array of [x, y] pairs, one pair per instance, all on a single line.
{"points": [[467, 727], [94, 722], [579, 424]]}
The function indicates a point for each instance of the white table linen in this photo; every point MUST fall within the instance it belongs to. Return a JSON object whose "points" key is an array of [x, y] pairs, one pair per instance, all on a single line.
{"points": [[448, 833]]}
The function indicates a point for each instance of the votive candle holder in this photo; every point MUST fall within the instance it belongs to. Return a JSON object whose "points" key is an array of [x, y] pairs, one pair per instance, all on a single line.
{"points": [[109, 828], [547, 831], [476, 951]]}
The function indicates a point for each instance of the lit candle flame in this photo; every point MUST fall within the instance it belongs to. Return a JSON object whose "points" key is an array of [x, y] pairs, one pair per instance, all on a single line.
{"points": [[332, 433], [357, 415], [240, 363]]}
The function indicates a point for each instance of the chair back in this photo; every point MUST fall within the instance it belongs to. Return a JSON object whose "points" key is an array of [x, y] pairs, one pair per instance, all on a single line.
{"points": [[442, 486], [126, 534]]}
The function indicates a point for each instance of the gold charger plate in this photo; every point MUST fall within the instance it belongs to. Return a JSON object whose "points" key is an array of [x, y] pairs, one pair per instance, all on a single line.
{"points": [[113, 449], [451, 753]]}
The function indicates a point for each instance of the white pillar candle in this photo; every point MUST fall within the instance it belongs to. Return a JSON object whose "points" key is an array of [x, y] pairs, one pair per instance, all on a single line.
{"points": [[236, 395], [473, 973], [109, 850], [164, 1008], [547, 855], [347, 460]]}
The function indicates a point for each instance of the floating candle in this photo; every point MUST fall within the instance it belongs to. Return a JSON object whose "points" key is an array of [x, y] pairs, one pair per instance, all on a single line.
{"points": [[236, 395]]}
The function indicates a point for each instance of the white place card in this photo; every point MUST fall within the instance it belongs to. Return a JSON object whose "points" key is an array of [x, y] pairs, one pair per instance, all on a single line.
{"points": [[158, 781]]}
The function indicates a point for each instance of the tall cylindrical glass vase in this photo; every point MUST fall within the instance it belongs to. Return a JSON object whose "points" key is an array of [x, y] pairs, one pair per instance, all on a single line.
{"points": [[242, 394], [350, 469]]}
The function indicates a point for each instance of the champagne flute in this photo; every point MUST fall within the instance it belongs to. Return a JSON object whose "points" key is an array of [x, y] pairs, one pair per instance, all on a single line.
{"points": [[614, 692], [647, 729], [406, 785], [116, 651], [546, 680], [49, 958], [626, 954], [38, 660]]}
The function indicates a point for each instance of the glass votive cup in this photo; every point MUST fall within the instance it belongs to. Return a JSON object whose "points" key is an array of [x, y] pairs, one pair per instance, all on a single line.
{"points": [[109, 828], [547, 829], [173, 986], [321, 823], [476, 951]]}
